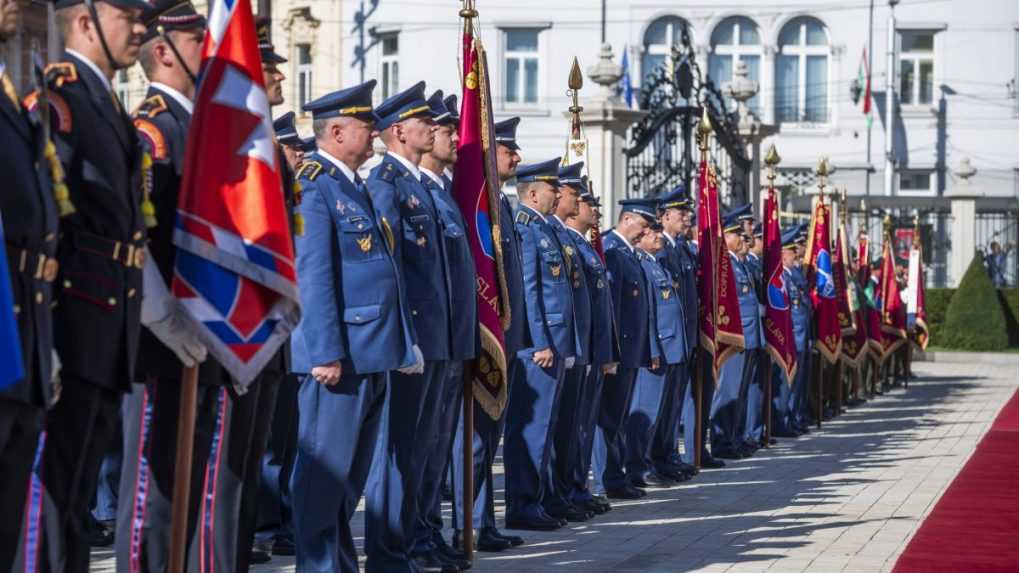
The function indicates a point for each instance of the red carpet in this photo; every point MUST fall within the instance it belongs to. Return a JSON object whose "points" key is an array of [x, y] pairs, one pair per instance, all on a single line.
{"points": [[975, 525]]}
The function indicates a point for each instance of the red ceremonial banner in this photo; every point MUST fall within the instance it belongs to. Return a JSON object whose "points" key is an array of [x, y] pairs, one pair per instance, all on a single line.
{"points": [[893, 312], [778, 318], [476, 190], [820, 277]]}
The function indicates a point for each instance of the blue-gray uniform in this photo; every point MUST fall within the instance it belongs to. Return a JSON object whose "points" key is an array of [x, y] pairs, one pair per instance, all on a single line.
{"points": [[681, 265], [753, 424], [29, 229], [782, 387], [534, 395], [632, 310], [603, 350], [728, 405], [400, 198], [347, 272], [668, 345], [566, 439], [464, 325], [488, 432], [798, 413]]}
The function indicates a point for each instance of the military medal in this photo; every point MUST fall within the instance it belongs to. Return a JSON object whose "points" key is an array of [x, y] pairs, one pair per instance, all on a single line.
{"points": [[365, 243], [422, 240], [413, 202], [340, 207], [556, 269], [666, 293]]}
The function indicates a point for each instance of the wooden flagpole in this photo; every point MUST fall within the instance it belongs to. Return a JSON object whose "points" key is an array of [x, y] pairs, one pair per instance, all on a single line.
{"points": [[182, 469]]}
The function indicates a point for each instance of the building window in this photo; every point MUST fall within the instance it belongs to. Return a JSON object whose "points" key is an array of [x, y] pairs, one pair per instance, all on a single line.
{"points": [[735, 40], [123, 88], [303, 75], [916, 67], [390, 62], [521, 65], [659, 39], [915, 181], [801, 72]]}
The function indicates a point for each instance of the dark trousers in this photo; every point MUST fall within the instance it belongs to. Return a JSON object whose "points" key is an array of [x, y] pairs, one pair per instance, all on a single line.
{"points": [[79, 429], [408, 432], [727, 409], [339, 427], [752, 426], [607, 454], [646, 412], [566, 440], [275, 507], [20, 426], [104, 503], [446, 404], [587, 419], [665, 446], [530, 421], [706, 388]]}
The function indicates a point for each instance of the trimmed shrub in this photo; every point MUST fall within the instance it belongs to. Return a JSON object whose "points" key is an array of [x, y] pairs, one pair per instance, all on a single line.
{"points": [[937, 307], [975, 320]]}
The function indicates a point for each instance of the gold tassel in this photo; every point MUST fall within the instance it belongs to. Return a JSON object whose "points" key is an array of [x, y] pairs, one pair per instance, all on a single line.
{"points": [[60, 192], [148, 209], [298, 217]]}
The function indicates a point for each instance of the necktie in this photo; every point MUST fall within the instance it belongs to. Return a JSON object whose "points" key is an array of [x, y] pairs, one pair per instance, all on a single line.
{"points": [[10, 91]]}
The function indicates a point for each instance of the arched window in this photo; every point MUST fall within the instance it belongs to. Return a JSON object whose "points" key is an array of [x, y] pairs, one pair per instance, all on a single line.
{"points": [[735, 40], [659, 38], [801, 72]]}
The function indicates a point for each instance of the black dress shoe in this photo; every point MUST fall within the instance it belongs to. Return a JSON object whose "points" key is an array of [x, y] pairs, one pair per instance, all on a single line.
{"points": [[625, 492], [688, 469], [515, 540], [482, 542], [726, 454], [711, 463], [283, 546], [675, 475], [602, 502], [431, 563], [786, 434], [460, 563], [259, 557], [591, 506], [572, 514], [534, 523], [652, 481]]}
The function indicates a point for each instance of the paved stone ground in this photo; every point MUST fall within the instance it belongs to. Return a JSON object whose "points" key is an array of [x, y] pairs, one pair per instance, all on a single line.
{"points": [[846, 498]]}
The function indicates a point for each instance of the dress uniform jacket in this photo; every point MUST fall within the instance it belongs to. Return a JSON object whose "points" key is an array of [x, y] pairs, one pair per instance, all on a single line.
{"points": [[162, 124], [581, 289], [629, 302], [688, 288], [405, 207], [749, 307], [669, 341], [800, 302], [512, 268], [30, 223], [360, 313], [547, 291], [100, 249], [604, 346]]}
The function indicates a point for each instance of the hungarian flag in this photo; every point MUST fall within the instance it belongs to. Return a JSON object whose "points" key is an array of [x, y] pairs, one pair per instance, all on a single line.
{"points": [[863, 79], [863, 260], [778, 318], [893, 314], [820, 277], [721, 326], [234, 275], [476, 190], [917, 295]]}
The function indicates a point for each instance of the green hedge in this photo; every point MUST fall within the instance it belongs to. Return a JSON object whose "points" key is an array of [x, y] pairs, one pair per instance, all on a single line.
{"points": [[975, 319], [937, 307]]}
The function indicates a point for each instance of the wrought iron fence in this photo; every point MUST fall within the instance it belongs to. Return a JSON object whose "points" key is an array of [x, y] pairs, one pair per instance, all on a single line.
{"points": [[996, 237]]}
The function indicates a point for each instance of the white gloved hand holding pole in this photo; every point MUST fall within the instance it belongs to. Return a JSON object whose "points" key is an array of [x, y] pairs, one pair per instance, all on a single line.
{"points": [[158, 317], [419, 363]]}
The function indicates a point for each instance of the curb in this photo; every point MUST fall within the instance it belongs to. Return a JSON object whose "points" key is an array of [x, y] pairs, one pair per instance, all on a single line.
{"points": [[995, 358]]}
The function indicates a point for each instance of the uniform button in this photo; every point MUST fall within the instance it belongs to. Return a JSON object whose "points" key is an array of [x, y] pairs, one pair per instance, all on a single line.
{"points": [[137, 235], [112, 301], [17, 308], [50, 237], [414, 312], [131, 292], [357, 317], [67, 284], [38, 297]]}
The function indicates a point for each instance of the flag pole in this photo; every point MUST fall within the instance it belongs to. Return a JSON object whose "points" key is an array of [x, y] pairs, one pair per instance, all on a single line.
{"points": [[182, 469], [771, 160], [822, 180], [703, 133], [468, 13]]}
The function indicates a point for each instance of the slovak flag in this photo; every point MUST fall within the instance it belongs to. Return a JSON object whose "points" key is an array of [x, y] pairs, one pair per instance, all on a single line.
{"points": [[234, 275]]}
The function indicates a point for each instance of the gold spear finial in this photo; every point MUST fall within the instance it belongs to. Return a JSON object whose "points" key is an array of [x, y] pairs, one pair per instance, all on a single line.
{"points": [[575, 143], [704, 130], [822, 174], [887, 224], [468, 12], [771, 160]]}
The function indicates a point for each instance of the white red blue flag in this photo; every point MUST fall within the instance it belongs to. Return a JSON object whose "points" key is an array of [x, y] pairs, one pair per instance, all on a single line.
{"points": [[234, 275]]}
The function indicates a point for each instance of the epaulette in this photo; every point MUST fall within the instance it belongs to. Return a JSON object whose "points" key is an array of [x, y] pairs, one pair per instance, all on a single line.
{"points": [[58, 106], [154, 137], [61, 73], [151, 107], [522, 218], [310, 170], [388, 173]]}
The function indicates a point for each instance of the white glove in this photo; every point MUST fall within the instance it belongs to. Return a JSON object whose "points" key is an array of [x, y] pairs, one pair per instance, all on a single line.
{"points": [[419, 363], [570, 361], [55, 366], [158, 316], [610, 368]]}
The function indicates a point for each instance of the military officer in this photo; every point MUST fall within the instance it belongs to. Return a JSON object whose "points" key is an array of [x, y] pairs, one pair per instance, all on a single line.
{"points": [[288, 138], [101, 255], [802, 315], [557, 501], [752, 424], [400, 198], [668, 349], [727, 408], [360, 330], [633, 320], [782, 413], [29, 212], [488, 432], [550, 349], [602, 356], [436, 168]]}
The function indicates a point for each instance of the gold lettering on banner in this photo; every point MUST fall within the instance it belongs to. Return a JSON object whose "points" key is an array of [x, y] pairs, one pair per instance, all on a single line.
{"points": [[484, 290]]}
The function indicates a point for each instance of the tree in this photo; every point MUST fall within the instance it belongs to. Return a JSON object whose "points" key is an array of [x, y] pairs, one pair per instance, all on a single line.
{"points": [[975, 319]]}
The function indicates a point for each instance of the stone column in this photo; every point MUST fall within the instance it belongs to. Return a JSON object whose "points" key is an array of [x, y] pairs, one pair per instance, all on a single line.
{"points": [[606, 119], [964, 221]]}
